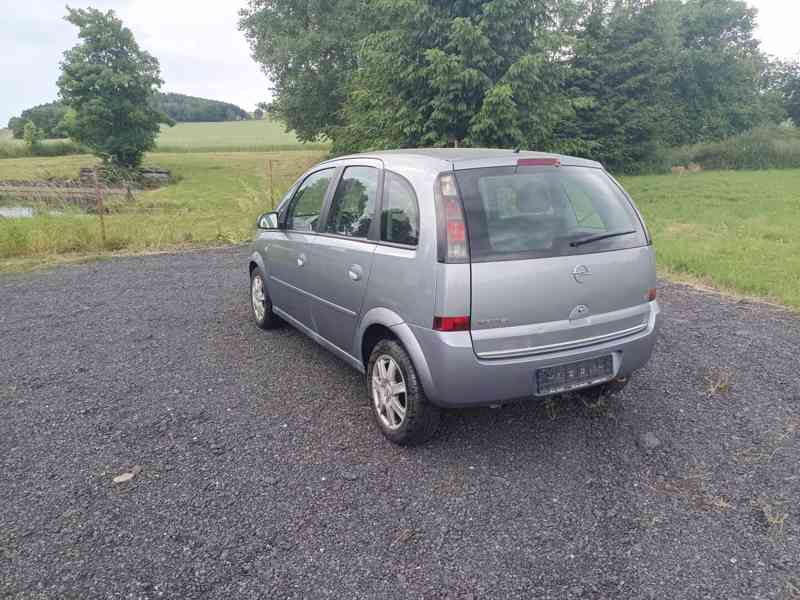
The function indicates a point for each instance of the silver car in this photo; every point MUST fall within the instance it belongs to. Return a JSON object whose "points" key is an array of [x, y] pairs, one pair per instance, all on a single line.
{"points": [[461, 277]]}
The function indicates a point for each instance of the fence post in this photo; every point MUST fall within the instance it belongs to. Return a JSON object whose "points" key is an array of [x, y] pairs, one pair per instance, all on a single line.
{"points": [[100, 208], [271, 189]]}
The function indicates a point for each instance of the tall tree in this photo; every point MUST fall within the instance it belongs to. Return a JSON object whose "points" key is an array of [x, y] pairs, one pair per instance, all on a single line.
{"points": [[109, 82], [665, 73], [308, 50], [460, 73], [720, 71], [783, 80], [615, 80], [625, 60]]}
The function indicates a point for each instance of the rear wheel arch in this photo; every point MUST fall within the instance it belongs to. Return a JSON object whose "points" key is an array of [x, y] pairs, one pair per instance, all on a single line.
{"points": [[384, 322], [372, 335]]}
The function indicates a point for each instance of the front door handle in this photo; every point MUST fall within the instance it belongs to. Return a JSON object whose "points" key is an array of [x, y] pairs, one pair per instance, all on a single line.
{"points": [[301, 260], [355, 272]]}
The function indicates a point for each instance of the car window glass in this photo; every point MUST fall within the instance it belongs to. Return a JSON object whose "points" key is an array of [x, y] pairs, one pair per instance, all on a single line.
{"points": [[353, 206], [582, 207], [306, 206], [400, 216], [540, 212]]}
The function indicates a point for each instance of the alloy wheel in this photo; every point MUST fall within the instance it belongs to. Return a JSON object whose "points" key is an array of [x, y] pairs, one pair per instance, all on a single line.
{"points": [[389, 391], [258, 297]]}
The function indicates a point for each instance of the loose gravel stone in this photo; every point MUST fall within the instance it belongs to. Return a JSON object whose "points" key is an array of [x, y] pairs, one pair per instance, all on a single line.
{"points": [[649, 441], [155, 361]]}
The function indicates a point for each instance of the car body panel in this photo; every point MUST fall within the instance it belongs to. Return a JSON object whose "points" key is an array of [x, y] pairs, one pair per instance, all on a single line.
{"points": [[336, 297], [535, 305], [286, 279]]}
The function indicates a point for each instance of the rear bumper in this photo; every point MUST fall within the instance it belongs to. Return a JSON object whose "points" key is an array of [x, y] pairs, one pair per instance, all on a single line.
{"points": [[454, 376]]}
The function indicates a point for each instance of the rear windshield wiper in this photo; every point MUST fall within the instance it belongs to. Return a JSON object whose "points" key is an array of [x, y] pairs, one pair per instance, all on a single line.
{"points": [[600, 236]]}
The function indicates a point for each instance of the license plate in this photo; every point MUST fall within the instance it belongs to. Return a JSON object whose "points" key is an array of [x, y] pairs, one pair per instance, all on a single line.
{"points": [[561, 378]]}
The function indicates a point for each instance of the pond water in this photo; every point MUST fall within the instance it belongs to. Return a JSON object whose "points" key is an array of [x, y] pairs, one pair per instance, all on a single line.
{"points": [[16, 212], [25, 212]]}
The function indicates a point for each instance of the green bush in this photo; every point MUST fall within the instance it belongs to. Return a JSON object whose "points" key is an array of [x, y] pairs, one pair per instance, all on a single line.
{"points": [[761, 148]]}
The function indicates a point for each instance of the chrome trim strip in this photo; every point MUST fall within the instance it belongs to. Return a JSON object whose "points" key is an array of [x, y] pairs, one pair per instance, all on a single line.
{"points": [[640, 313], [341, 309], [563, 345]]}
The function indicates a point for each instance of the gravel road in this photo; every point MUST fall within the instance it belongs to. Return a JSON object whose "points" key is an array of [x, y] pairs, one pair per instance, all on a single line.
{"points": [[258, 473]]}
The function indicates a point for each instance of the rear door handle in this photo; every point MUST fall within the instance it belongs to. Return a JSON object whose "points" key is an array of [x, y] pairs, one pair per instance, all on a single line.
{"points": [[301, 260], [355, 272]]}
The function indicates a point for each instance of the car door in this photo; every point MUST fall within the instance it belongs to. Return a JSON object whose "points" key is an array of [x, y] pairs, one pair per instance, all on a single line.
{"points": [[342, 255], [287, 256]]}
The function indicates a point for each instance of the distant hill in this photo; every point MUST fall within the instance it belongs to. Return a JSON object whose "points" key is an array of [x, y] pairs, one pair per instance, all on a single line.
{"points": [[179, 107], [191, 109]]}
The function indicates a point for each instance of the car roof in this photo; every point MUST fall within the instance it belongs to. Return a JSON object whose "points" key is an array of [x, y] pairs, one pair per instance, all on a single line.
{"points": [[445, 159]]}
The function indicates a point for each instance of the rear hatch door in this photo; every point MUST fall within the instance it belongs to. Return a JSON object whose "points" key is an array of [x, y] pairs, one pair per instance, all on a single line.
{"points": [[559, 258]]}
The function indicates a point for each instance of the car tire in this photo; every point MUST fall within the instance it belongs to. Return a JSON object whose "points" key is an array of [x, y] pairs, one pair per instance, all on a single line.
{"points": [[260, 302], [390, 370]]}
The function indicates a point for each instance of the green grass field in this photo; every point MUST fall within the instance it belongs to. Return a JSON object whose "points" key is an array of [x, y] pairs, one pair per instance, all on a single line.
{"points": [[232, 136], [216, 201], [734, 230]]}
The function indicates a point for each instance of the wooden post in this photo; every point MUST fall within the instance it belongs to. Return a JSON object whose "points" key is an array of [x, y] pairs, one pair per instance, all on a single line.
{"points": [[271, 189], [100, 208]]}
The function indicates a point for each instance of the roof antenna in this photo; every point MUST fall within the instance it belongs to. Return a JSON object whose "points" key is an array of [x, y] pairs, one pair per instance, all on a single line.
{"points": [[517, 149]]}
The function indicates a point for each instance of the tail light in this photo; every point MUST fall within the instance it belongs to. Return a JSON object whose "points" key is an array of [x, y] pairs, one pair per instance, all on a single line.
{"points": [[451, 323], [651, 294], [452, 247]]}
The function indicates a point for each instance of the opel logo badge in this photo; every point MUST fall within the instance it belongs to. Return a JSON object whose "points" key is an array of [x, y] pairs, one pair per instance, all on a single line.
{"points": [[580, 273]]}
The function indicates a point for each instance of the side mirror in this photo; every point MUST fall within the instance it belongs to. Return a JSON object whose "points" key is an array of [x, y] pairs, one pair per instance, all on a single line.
{"points": [[268, 221]]}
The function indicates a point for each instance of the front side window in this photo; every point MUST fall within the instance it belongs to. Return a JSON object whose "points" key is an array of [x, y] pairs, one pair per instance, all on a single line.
{"points": [[400, 215], [353, 207], [540, 212], [306, 206]]}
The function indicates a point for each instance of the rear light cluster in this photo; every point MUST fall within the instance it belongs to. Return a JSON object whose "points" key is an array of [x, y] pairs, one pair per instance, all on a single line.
{"points": [[453, 239], [451, 323], [651, 294], [452, 244]]}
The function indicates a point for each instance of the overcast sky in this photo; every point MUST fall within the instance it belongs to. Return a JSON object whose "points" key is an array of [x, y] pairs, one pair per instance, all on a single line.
{"points": [[200, 48]]}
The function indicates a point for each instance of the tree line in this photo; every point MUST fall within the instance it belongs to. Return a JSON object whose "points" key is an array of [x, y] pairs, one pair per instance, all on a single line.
{"points": [[615, 80], [52, 120]]}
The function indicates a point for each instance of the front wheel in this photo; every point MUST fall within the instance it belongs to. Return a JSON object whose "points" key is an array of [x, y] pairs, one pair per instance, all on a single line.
{"points": [[260, 301], [399, 405]]}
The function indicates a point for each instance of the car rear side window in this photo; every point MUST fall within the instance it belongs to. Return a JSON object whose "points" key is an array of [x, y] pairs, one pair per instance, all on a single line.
{"points": [[545, 211], [306, 206], [353, 207], [400, 214]]}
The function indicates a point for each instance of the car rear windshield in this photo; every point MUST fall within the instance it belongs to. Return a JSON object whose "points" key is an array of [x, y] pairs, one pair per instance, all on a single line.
{"points": [[544, 211]]}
